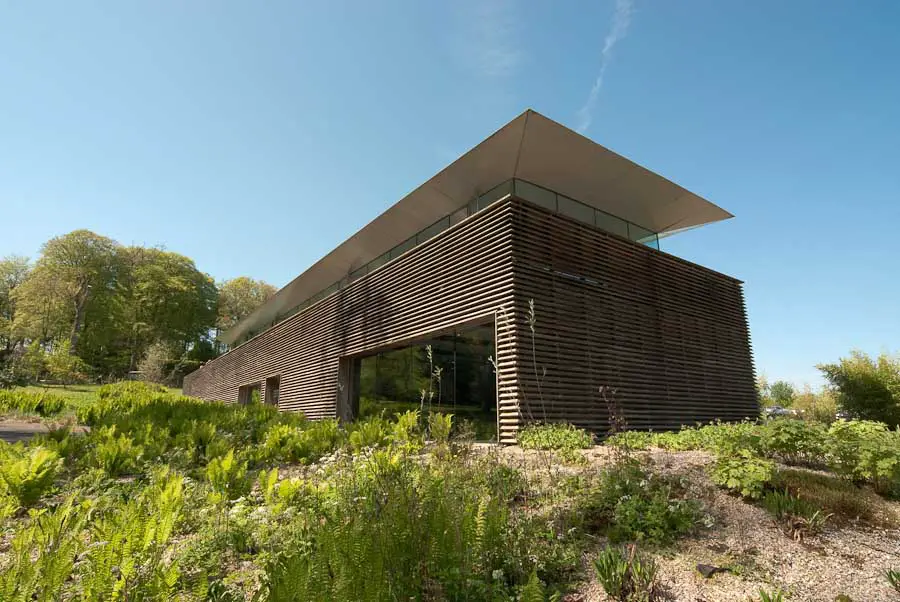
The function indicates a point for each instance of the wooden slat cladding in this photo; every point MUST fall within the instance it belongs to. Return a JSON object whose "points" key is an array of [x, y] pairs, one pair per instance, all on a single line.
{"points": [[462, 275], [668, 336]]}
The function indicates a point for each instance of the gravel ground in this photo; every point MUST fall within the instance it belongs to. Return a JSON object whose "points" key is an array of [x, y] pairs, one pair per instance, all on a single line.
{"points": [[848, 560]]}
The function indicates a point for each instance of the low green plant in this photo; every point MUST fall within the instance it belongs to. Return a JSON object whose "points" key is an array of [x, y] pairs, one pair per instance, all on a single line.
{"points": [[836, 496], [28, 474], [393, 528], [866, 451], [227, 477], [372, 432], [115, 453], [893, 578], [767, 596], [631, 504], [135, 560], [797, 517], [535, 591], [554, 436], [626, 575], [43, 403], [744, 473], [439, 427], [793, 441], [42, 554]]}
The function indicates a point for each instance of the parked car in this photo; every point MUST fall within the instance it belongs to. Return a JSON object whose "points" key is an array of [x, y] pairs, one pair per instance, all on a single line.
{"points": [[778, 411]]}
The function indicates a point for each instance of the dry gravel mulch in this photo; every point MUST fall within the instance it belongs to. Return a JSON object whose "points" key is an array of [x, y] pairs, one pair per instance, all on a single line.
{"points": [[847, 559]]}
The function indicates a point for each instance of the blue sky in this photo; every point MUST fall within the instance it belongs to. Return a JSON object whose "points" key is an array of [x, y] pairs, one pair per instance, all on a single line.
{"points": [[255, 136]]}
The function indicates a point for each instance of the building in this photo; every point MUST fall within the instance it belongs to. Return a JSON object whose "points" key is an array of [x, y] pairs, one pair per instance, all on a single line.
{"points": [[531, 269]]}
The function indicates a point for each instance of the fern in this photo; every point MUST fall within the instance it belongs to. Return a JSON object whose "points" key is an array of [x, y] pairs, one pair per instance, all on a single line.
{"points": [[228, 477], [27, 476], [56, 538]]}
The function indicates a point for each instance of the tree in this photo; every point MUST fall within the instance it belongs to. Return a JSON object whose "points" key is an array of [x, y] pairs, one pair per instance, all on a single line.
{"points": [[13, 271], [65, 368], [867, 388], [166, 299], [782, 393], [73, 270], [153, 366], [238, 298]]}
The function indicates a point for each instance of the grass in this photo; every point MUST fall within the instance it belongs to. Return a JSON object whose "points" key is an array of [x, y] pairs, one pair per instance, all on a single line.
{"points": [[76, 395]]}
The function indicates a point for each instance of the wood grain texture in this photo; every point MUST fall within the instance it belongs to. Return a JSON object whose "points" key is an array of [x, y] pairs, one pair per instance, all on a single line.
{"points": [[670, 337], [462, 275]]}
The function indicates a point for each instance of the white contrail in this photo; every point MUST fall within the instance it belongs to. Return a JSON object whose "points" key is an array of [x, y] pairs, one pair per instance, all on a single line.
{"points": [[621, 21]]}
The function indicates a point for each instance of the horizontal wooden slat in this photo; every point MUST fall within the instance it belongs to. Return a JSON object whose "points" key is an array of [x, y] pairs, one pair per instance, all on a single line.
{"points": [[669, 336]]}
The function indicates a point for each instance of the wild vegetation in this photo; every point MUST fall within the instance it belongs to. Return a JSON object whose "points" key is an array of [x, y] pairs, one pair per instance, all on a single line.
{"points": [[171, 498], [91, 308]]}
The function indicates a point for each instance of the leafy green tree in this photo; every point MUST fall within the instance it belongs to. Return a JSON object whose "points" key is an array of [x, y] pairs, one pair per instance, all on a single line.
{"points": [[238, 298], [29, 364], [13, 271], [166, 299], [73, 271], [782, 393], [867, 388], [65, 368]]}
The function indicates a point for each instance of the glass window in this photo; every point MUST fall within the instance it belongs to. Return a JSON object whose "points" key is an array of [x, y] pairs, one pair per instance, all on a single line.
{"points": [[611, 223], [574, 209], [653, 243], [403, 247], [433, 230], [378, 262], [494, 194], [536, 194], [638, 234], [359, 273], [459, 215]]}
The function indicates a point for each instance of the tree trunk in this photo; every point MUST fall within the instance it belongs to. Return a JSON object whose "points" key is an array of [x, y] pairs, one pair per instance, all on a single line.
{"points": [[80, 305]]}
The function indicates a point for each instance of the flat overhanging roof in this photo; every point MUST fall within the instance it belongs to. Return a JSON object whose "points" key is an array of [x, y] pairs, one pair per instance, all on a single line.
{"points": [[531, 147]]}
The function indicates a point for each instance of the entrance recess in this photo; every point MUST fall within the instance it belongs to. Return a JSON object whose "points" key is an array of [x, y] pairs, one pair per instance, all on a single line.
{"points": [[450, 372]]}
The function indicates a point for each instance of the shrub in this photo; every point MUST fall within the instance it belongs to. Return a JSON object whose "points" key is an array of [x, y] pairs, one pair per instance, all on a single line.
{"points": [[628, 576], [630, 504], [64, 367], [867, 388], [743, 473], [793, 441], [563, 437], [635, 440], [866, 451], [228, 477], [27, 475]]}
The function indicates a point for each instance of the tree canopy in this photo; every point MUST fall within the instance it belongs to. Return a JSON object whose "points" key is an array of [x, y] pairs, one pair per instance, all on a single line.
{"points": [[239, 297], [107, 304]]}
